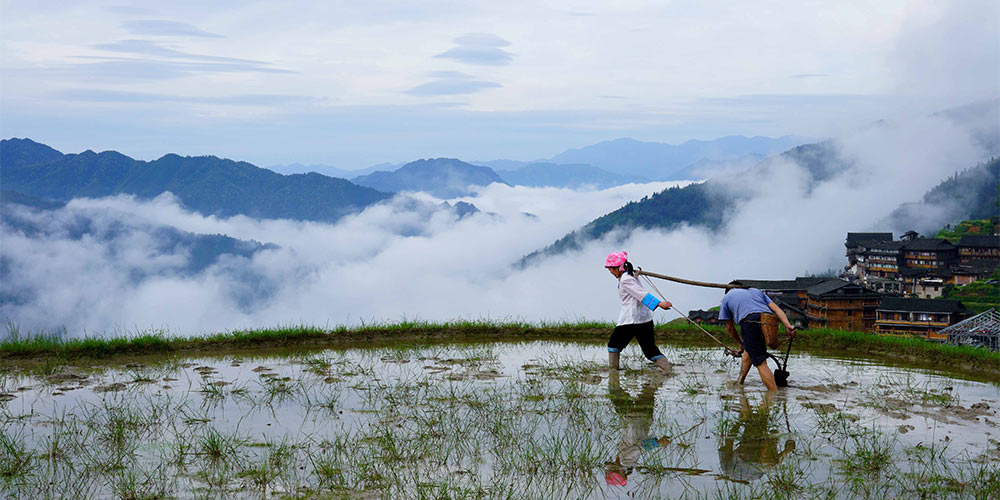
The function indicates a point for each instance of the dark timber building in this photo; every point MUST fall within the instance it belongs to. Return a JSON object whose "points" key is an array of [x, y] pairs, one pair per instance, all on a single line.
{"points": [[920, 317], [842, 305], [979, 247], [929, 253]]}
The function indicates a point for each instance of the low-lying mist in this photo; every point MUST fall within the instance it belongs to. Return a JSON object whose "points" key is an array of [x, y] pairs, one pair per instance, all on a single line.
{"points": [[392, 262]]}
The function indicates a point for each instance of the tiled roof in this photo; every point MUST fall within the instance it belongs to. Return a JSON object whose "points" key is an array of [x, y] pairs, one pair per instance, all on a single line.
{"points": [[916, 272], [827, 286], [883, 245], [979, 241], [936, 244], [854, 238], [922, 305], [835, 284]]}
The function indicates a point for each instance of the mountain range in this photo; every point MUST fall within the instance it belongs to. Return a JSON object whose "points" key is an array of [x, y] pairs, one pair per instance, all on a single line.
{"points": [[572, 176], [205, 184], [441, 177], [605, 164], [329, 171], [661, 161], [973, 193], [702, 204]]}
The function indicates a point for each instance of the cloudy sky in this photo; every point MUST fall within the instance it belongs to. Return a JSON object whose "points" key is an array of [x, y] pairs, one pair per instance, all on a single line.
{"points": [[353, 83]]}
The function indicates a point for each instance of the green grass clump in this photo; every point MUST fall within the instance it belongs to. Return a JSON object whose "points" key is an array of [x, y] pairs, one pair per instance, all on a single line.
{"points": [[843, 343], [974, 227]]}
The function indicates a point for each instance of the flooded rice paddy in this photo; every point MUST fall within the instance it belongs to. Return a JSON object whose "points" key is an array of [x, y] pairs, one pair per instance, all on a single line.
{"points": [[503, 420]]}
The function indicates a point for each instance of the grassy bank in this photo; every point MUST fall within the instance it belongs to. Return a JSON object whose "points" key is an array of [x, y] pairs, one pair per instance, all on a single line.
{"points": [[906, 350]]}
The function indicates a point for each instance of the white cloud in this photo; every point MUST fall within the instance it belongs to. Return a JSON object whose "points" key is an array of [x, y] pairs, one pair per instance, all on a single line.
{"points": [[392, 262], [671, 63]]}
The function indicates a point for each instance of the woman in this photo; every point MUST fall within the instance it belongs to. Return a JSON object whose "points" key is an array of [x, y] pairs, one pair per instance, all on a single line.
{"points": [[636, 317]]}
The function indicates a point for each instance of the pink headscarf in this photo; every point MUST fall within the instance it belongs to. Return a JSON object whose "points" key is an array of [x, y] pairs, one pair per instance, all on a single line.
{"points": [[616, 259], [615, 478]]}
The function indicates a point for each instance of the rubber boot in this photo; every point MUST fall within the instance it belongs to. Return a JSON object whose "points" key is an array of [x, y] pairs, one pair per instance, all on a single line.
{"points": [[665, 366], [613, 358]]}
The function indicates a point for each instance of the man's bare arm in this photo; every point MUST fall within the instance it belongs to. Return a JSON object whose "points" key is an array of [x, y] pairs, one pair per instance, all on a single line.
{"points": [[731, 328]]}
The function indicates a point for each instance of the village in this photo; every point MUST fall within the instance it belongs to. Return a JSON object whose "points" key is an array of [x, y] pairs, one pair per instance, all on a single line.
{"points": [[898, 287]]}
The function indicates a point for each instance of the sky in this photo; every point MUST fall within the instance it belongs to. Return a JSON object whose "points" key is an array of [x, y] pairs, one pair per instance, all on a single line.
{"points": [[351, 84]]}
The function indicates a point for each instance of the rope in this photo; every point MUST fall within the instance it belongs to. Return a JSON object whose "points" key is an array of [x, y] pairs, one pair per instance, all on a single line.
{"points": [[662, 298]]}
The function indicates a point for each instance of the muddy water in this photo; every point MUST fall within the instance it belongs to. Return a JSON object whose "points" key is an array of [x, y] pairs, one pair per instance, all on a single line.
{"points": [[535, 420]]}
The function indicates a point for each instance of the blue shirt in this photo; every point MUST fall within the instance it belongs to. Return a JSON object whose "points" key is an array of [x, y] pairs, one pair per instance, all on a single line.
{"points": [[742, 302]]}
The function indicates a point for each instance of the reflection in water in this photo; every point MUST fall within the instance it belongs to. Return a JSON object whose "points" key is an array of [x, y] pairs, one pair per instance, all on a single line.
{"points": [[756, 446], [636, 415]]}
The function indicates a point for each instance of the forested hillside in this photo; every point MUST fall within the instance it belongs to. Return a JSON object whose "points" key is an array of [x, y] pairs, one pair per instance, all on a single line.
{"points": [[206, 184], [703, 204], [442, 177]]}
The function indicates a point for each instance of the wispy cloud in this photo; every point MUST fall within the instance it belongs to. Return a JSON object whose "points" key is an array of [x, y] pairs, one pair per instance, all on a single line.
{"points": [[150, 48], [155, 62], [753, 100], [479, 48], [161, 27], [96, 95], [128, 70], [129, 10], [809, 75], [452, 83]]}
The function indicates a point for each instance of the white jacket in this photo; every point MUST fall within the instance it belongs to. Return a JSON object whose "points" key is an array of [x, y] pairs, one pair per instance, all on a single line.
{"points": [[637, 304]]}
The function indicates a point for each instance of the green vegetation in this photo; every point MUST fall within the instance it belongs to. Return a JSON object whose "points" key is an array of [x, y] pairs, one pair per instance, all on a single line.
{"points": [[442, 177], [207, 184], [963, 359], [976, 227], [492, 420], [703, 204], [979, 295], [977, 188]]}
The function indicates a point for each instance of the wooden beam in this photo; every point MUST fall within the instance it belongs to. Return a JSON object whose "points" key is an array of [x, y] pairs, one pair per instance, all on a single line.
{"points": [[686, 281]]}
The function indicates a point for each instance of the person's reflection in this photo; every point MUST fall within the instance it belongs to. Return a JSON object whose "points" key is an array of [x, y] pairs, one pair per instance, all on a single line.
{"points": [[756, 448], [636, 415]]}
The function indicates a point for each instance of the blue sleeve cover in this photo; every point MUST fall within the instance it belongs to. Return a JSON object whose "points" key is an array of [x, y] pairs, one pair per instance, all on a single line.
{"points": [[650, 301]]}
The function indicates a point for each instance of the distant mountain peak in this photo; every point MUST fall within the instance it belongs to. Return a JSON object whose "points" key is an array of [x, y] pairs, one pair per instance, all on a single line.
{"points": [[662, 161], [441, 177]]}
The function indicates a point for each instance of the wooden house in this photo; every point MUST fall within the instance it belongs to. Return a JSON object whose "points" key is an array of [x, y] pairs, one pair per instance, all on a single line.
{"points": [[979, 247], [920, 317], [881, 259], [792, 292], [842, 305], [929, 253], [854, 243], [704, 317]]}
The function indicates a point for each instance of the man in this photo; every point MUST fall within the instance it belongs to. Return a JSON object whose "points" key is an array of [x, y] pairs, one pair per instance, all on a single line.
{"points": [[750, 446], [744, 306]]}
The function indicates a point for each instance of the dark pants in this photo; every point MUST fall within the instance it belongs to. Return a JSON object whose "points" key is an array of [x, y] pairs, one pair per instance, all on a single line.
{"points": [[753, 339], [643, 332]]}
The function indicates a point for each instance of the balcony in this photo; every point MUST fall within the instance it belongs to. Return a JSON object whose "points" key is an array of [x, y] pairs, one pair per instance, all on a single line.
{"points": [[887, 322]]}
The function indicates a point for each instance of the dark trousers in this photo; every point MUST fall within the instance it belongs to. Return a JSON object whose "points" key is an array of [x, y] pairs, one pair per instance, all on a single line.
{"points": [[643, 332], [753, 339]]}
